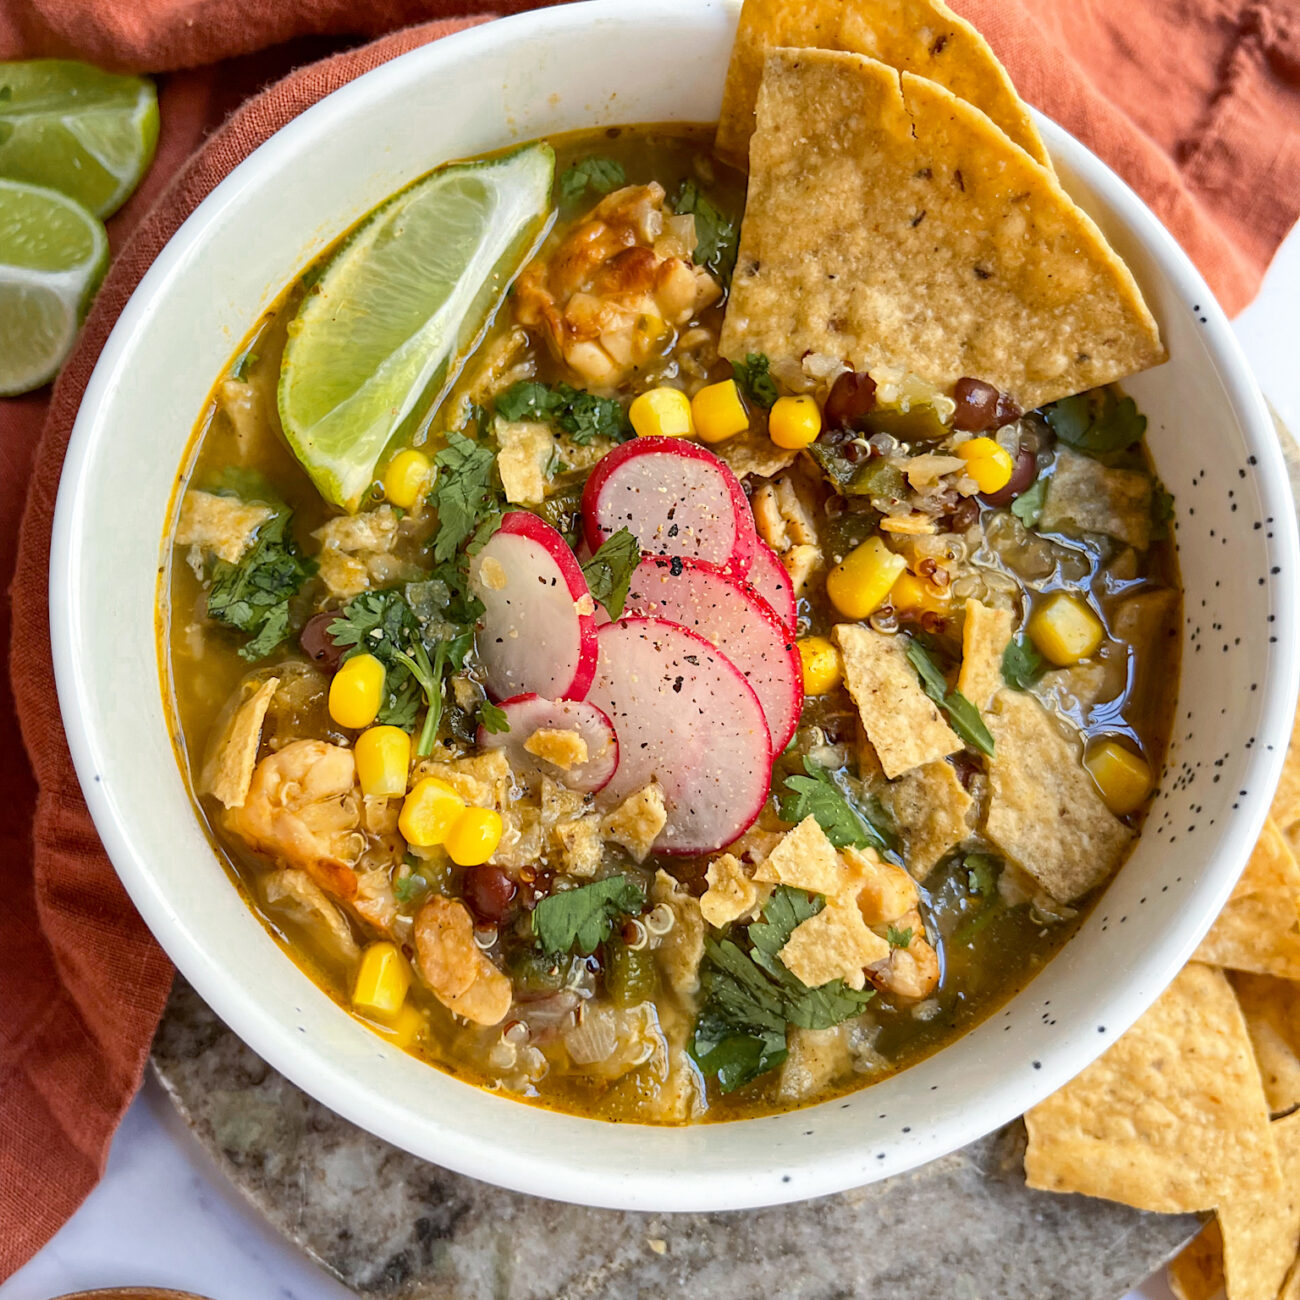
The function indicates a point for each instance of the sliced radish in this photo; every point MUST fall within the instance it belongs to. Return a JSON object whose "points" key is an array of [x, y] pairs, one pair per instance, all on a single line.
{"points": [[728, 613], [768, 576], [686, 717], [675, 498], [529, 714], [537, 634]]}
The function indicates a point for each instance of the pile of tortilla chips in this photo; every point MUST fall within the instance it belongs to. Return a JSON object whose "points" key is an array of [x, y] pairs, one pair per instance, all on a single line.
{"points": [[1197, 1107]]}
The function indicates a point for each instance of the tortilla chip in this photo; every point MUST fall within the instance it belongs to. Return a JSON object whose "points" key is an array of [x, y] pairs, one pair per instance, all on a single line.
{"points": [[1286, 802], [1197, 1273], [637, 821], [228, 772], [920, 36], [558, 745], [884, 892], [223, 525], [893, 226], [1083, 496], [526, 449], [1172, 1118], [752, 453], [1272, 1010], [1259, 928], [904, 726], [682, 949], [731, 894], [984, 637], [929, 806], [817, 1058], [834, 944], [806, 859], [1044, 810]]}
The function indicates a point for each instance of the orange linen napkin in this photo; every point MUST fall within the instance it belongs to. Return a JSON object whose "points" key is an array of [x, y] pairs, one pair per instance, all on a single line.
{"points": [[1195, 102]]}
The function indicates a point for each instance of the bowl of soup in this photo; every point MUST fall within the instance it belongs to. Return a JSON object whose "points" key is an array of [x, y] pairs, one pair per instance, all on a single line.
{"points": [[593, 729]]}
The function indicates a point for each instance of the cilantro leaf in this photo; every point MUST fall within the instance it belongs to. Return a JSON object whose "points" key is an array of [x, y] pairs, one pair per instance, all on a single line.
{"points": [[981, 873], [963, 716], [1029, 504], [603, 175], [407, 888], [898, 938], [253, 594], [1162, 510], [463, 492], [582, 415], [527, 400], [755, 380], [717, 236], [609, 571], [1022, 665], [819, 795], [492, 718], [1097, 422], [582, 918]]}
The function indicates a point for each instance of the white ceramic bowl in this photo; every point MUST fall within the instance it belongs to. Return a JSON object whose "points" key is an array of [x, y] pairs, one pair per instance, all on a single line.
{"points": [[547, 71]]}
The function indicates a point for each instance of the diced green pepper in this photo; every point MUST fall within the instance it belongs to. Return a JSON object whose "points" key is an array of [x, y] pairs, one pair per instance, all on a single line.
{"points": [[630, 975]]}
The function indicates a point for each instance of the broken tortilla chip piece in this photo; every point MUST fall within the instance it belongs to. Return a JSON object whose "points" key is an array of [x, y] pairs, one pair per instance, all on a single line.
{"points": [[1259, 927], [904, 726], [806, 859], [984, 638], [1084, 496], [891, 225], [834, 944], [732, 892], [929, 806], [228, 772], [1171, 1119], [1272, 1010], [920, 36], [1044, 812]]}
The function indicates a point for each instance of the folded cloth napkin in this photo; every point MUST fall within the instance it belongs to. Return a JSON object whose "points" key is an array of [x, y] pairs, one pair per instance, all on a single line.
{"points": [[1195, 102]]}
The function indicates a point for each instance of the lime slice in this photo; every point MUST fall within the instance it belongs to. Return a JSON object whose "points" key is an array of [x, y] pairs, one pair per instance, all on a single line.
{"points": [[70, 126], [52, 258], [399, 304]]}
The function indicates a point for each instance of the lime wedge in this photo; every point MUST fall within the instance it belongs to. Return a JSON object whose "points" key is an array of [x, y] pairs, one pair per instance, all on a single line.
{"points": [[52, 258], [88, 133], [398, 305]]}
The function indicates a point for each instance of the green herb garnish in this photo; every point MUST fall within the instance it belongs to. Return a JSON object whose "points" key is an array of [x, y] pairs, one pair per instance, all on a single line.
{"points": [[1022, 665], [609, 572], [981, 873], [963, 716], [583, 918], [1097, 422], [603, 175], [583, 416], [755, 381], [464, 491], [1029, 504], [898, 938], [1162, 511], [717, 236], [407, 888], [819, 795], [492, 718]]}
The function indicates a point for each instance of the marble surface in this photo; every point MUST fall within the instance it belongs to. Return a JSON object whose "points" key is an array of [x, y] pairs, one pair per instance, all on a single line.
{"points": [[166, 1215]]}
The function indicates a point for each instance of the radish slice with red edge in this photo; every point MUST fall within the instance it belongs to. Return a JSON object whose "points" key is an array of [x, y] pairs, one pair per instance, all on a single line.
{"points": [[686, 717], [728, 613], [768, 576], [537, 634], [675, 498], [529, 714]]}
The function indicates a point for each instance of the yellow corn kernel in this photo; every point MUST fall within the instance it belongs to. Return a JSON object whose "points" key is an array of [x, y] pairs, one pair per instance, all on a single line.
{"points": [[1122, 777], [821, 665], [858, 585], [382, 980], [357, 691], [473, 837], [988, 464], [718, 412], [662, 413], [383, 757], [406, 478], [429, 812], [1064, 629], [794, 422], [404, 1028], [911, 594]]}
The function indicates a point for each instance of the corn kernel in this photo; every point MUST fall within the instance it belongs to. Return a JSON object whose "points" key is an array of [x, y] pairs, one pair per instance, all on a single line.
{"points": [[407, 477], [474, 837], [357, 691], [404, 1028], [794, 422], [858, 585], [821, 665], [718, 412], [382, 980], [383, 757], [429, 812], [1064, 629], [1122, 777], [662, 413], [988, 464], [911, 594]]}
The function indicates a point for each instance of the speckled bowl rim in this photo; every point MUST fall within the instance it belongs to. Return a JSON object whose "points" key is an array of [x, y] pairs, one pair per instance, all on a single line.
{"points": [[541, 1152]]}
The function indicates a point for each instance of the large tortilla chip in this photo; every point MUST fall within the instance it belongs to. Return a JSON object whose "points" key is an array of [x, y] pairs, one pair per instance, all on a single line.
{"points": [[920, 36], [228, 771], [1044, 810], [984, 638], [1272, 1010], [929, 806], [806, 859], [1197, 1273], [893, 226], [904, 726], [834, 944], [1083, 496], [1172, 1118], [1259, 928]]}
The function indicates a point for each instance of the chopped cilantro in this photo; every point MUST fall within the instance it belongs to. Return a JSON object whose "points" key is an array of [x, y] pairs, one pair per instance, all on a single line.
{"points": [[981, 873], [755, 380], [963, 716], [609, 571], [1029, 504], [582, 415], [603, 175], [717, 236], [1022, 665], [6, 93], [492, 718], [898, 938], [819, 795], [526, 400], [1162, 511], [409, 887], [582, 918], [1097, 422], [464, 491], [253, 595]]}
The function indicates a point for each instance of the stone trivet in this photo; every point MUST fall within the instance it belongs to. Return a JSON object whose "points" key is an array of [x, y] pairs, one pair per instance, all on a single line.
{"points": [[390, 1225]]}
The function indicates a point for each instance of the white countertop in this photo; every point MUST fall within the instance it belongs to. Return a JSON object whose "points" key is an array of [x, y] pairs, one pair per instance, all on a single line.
{"points": [[164, 1216]]}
